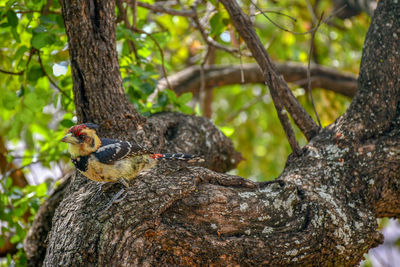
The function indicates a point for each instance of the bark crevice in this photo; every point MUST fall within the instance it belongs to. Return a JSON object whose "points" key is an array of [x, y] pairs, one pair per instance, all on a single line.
{"points": [[321, 211]]}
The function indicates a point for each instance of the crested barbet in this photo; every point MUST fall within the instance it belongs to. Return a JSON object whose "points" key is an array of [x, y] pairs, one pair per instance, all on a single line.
{"points": [[110, 160]]}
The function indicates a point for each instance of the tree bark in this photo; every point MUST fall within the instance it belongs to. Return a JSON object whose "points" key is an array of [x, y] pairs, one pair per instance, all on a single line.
{"points": [[98, 92], [321, 211]]}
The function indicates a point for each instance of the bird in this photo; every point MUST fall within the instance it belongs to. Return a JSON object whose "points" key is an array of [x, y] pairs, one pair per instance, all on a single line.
{"points": [[110, 160]]}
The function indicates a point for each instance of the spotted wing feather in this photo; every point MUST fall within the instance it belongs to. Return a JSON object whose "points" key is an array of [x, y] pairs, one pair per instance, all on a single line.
{"points": [[113, 150]]}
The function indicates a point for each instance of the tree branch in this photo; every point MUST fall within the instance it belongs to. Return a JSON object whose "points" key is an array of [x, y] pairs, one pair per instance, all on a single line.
{"points": [[244, 26], [188, 80], [99, 97], [166, 10], [376, 104], [321, 211]]}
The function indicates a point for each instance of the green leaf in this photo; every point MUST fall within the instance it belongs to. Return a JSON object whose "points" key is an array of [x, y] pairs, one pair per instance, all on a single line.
{"points": [[34, 73], [20, 52], [43, 39], [185, 98], [10, 3], [217, 25], [8, 183], [228, 131], [26, 116], [171, 95], [39, 29], [48, 20], [15, 239], [162, 99], [67, 123], [147, 88], [33, 102], [12, 18], [15, 34], [10, 100], [41, 190], [186, 109]]}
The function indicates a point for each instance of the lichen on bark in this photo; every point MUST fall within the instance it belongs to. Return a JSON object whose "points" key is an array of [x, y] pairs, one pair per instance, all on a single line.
{"points": [[321, 210]]}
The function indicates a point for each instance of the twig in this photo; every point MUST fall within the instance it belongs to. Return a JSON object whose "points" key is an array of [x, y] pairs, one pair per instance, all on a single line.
{"points": [[278, 87], [12, 73], [284, 119], [166, 10], [206, 38], [275, 12], [202, 81], [161, 53], [31, 52], [124, 17], [293, 32], [241, 62], [11, 171], [50, 80], [36, 11], [309, 70]]}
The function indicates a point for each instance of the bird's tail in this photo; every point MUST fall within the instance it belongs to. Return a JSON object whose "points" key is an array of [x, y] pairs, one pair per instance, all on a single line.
{"points": [[178, 156]]}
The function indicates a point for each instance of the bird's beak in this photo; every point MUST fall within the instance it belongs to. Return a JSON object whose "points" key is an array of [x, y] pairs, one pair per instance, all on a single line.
{"points": [[69, 138]]}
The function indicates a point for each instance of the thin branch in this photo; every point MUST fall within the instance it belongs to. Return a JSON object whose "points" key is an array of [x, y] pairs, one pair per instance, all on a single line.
{"points": [[134, 13], [36, 11], [309, 69], [161, 53], [31, 52], [11, 171], [293, 32], [166, 10], [51, 80], [210, 41], [275, 12], [274, 81], [202, 81], [12, 73], [124, 17], [284, 119], [241, 62]]}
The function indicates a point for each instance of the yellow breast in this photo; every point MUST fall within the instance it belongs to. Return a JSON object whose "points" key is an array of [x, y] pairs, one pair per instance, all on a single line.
{"points": [[127, 168]]}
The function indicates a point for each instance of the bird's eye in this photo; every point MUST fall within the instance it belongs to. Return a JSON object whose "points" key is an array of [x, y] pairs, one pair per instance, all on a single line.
{"points": [[82, 137]]}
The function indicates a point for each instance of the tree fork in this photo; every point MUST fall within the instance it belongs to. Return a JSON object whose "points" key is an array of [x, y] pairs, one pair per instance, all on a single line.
{"points": [[322, 210]]}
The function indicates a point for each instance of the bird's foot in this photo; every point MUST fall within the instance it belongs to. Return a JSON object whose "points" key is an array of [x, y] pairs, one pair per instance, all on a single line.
{"points": [[117, 198]]}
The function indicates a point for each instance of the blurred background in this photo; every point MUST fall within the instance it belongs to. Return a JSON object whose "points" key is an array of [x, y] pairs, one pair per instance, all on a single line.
{"points": [[158, 49]]}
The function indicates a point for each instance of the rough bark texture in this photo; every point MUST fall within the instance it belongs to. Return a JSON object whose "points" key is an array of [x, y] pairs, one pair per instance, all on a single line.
{"points": [[35, 243], [189, 79], [321, 211], [98, 93]]}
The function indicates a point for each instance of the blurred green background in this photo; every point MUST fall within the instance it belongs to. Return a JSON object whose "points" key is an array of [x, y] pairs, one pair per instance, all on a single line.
{"points": [[36, 101]]}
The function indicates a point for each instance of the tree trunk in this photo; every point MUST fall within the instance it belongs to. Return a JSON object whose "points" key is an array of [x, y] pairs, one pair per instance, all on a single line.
{"points": [[321, 211]]}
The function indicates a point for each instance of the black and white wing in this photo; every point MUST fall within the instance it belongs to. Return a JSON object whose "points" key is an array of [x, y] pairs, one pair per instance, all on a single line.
{"points": [[113, 150]]}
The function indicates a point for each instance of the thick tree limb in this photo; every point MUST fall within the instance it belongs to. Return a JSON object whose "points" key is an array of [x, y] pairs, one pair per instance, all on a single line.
{"points": [[188, 80], [35, 242], [275, 82], [321, 211], [373, 111], [99, 97]]}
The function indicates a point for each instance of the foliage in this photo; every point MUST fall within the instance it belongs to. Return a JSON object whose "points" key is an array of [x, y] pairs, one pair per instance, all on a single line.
{"points": [[18, 208], [36, 101]]}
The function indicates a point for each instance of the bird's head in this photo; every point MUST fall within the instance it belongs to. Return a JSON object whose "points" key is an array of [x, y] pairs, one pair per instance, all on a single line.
{"points": [[82, 139]]}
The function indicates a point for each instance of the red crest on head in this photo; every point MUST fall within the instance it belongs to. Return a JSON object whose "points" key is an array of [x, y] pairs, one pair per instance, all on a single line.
{"points": [[77, 129]]}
